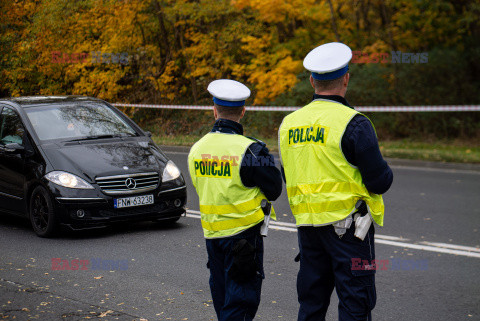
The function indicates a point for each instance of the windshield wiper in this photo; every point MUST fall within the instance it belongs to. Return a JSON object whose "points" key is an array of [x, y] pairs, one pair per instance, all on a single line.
{"points": [[102, 136]]}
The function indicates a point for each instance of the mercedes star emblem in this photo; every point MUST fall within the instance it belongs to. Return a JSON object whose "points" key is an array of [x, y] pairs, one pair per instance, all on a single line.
{"points": [[130, 183]]}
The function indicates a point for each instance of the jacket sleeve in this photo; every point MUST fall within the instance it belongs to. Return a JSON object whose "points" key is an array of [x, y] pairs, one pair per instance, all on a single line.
{"points": [[360, 147], [258, 169]]}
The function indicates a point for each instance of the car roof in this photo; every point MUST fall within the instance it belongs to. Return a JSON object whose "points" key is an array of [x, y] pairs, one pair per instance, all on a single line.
{"points": [[32, 101]]}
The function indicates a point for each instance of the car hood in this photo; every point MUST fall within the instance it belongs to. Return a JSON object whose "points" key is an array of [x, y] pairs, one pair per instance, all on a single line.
{"points": [[106, 157]]}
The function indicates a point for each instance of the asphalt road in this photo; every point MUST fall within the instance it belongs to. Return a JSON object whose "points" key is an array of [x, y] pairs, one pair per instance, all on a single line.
{"points": [[431, 238]]}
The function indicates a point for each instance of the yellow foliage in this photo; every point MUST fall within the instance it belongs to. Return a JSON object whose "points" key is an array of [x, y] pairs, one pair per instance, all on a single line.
{"points": [[272, 83], [176, 47], [276, 10]]}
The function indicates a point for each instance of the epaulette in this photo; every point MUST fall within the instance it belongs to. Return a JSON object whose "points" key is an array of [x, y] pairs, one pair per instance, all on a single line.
{"points": [[257, 140]]}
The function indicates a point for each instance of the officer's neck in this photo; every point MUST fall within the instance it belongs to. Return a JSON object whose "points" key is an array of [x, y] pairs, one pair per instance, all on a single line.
{"points": [[225, 125], [237, 120], [336, 98], [335, 92]]}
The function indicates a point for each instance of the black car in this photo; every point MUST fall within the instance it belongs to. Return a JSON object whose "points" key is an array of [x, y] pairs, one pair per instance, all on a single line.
{"points": [[79, 162]]}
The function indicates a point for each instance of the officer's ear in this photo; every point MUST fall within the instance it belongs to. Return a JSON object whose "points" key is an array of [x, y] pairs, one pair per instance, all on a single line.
{"points": [[346, 79], [312, 82], [215, 112], [243, 112]]}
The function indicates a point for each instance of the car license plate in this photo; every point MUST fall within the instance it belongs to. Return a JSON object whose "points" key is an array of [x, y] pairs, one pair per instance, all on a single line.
{"points": [[133, 201]]}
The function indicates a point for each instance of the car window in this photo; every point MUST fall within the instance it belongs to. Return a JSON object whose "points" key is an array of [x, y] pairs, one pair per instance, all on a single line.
{"points": [[11, 128], [76, 121]]}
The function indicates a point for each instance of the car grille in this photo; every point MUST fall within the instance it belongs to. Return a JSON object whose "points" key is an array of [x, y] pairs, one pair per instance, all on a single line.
{"points": [[128, 184]]}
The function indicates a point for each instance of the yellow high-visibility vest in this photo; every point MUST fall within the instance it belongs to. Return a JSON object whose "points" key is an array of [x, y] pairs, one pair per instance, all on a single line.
{"points": [[227, 207], [322, 186]]}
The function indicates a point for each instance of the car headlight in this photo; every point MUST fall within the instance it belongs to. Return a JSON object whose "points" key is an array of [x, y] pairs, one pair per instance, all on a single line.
{"points": [[67, 180], [170, 172]]}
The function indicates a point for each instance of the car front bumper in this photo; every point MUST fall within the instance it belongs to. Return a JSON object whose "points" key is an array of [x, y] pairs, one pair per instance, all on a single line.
{"points": [[79, 213]]}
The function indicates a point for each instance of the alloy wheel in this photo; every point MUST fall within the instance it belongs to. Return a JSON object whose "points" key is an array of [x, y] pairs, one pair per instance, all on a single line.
{"points": [[40, 212]]}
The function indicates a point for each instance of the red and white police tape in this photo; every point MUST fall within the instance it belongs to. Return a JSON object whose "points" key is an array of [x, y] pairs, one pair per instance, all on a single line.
{"points": [[359, 108]]}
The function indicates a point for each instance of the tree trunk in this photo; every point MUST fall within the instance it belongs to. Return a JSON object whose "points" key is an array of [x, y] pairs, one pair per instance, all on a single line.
{"points": [[334, 22]]}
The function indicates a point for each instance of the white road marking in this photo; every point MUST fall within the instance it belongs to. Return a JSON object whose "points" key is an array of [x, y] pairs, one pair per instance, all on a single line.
{"points": [[386, 239], [390, 238], [429, 248], [453, 246], [285, 226]]}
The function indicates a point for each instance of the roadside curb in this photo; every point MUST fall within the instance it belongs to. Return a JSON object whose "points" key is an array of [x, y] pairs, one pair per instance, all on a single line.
{"points": [[391, 161], [436, 165], [178, 149]]}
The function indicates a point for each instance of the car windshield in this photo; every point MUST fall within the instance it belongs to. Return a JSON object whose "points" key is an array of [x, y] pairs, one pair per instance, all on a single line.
{"points": [[72, 122]]}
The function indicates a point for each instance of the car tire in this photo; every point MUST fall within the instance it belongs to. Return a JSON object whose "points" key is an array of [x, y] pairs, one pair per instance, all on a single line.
{"points": [[42, 215]]}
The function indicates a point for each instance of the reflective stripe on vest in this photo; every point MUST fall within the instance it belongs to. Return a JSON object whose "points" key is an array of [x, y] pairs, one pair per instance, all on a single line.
{"points": [[322, 186], [227, 207], [229, 224], [348, 188], [231, 208]]}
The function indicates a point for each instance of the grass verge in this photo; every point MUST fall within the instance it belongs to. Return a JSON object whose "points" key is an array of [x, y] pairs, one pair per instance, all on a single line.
{"points": [[441, 151]]}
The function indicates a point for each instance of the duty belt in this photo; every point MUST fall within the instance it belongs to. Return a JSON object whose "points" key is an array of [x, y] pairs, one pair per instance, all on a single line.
{"points": [[361, 218]]}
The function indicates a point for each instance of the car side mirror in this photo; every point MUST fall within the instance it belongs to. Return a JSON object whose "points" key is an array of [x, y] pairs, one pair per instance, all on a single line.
{"points": [[13, 148], [149, 134]]}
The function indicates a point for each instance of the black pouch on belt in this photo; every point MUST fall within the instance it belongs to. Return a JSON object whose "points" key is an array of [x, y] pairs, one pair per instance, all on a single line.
{"points": [[244, 267]]}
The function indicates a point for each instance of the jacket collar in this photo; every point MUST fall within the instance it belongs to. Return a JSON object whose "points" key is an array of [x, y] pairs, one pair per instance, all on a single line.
{"points": [[227, 126], [335, 98]]}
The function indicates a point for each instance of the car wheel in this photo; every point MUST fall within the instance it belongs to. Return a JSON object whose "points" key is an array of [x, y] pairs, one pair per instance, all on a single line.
{"points": [[42, 216]]}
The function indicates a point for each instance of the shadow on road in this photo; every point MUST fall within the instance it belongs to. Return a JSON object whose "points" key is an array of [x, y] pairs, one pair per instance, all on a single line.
{"points": [[121, 228], [15, 222], [22, 224]]}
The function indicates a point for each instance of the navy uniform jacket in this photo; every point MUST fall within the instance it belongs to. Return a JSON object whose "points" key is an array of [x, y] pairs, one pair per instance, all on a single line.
{"points": [[360, 147], [258, 165]]}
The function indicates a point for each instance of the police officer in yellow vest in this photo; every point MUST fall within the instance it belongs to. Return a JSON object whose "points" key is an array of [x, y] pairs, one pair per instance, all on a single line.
{"points": [[335, 175], [232, 175]]}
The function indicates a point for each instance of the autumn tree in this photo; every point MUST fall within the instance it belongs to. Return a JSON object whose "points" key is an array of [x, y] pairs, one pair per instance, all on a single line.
{"points": [[176, 47]]}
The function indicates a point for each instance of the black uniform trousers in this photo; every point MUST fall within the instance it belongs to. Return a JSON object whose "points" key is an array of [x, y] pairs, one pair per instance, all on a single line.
{"points": [[325, 264], [233, 301]]}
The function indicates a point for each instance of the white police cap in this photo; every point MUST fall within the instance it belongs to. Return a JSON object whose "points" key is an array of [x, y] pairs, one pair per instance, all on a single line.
{"points": [[228, 92], [328, 61]]}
